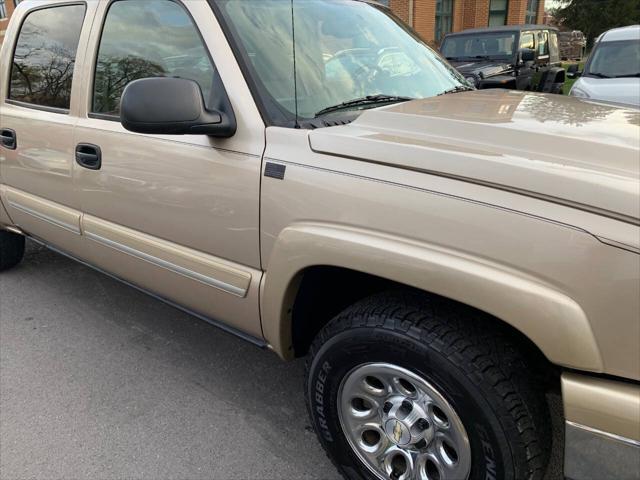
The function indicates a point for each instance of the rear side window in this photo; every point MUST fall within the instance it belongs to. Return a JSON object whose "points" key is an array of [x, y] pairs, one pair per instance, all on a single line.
{"points": [[554, 50], [543, 44], [45, 56], [148, 38]]}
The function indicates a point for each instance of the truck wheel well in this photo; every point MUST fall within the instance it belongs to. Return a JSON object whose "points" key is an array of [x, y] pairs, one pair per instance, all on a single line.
{"points": [[325, 291]]}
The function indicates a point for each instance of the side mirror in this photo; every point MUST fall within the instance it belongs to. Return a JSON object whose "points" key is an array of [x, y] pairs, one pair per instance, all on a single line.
{"points": [[573, 71], [171, 106], [527, 55]]}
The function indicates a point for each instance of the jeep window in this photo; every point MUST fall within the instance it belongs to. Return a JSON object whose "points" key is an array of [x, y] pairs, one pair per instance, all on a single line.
{"points": [[45, 56], [554, 49], [491, 45], [614, 60], [322, 54], [527, 41], [148, 38], [543, 44]]}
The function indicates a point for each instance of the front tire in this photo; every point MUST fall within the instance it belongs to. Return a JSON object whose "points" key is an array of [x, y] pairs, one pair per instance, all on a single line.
{"points": [[408, 386], [11, 249]]}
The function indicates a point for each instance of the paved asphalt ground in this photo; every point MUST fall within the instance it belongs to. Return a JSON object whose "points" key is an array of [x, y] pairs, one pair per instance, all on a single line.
{"points": [[99, 381]]}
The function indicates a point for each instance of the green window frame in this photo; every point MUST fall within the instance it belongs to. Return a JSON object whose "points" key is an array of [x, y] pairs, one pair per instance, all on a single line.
{"points": [[444, 18], [498, 10], [531, 16]]}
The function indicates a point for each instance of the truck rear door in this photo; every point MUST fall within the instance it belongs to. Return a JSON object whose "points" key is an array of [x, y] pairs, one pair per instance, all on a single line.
{"points": [[39, 67]]}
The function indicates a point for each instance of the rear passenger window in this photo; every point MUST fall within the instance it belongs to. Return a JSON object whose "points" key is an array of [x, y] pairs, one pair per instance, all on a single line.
{"points": [[45, 56], [543, 44], [148, 38]]}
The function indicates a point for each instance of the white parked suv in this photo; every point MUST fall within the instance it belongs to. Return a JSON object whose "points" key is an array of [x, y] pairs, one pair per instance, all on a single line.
{"points": [[612, 72]]}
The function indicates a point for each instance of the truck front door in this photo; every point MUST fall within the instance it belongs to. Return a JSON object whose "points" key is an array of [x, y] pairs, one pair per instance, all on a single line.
{"points": [[175, 215]]}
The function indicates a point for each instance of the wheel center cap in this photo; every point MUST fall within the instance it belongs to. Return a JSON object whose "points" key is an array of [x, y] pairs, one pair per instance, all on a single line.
{"points": [[397, 432]]}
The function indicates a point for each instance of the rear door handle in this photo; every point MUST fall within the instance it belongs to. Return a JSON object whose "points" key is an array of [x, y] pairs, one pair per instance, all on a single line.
{"points": [[89, 156], [8, 138]]}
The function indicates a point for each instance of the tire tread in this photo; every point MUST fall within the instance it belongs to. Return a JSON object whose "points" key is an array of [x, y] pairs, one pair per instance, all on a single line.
{"points": [[484, 351]]}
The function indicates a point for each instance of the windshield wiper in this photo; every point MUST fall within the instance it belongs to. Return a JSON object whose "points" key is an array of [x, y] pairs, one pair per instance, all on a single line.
{"points": [[599, 75], [628, 75], [459, 88], [368, 100]]}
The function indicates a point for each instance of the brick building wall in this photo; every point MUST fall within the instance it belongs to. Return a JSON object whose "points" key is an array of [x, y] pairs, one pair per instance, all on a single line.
{"points": [[401, 9], [9, 5], [421, 14]]}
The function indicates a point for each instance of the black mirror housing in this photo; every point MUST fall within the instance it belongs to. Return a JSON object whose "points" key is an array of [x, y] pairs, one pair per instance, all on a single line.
{"points": [[573, 71], [527, 55], [171, 106]]}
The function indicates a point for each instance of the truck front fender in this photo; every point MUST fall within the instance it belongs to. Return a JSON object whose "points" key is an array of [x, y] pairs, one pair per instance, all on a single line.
{"points": [[550, 319]]}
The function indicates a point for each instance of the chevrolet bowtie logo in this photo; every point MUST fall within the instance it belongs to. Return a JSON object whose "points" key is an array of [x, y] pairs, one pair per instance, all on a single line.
{"points": [[397, 432]]}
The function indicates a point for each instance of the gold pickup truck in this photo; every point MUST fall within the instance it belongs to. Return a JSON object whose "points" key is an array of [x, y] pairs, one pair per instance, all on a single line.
{"points": [[309, 175]]}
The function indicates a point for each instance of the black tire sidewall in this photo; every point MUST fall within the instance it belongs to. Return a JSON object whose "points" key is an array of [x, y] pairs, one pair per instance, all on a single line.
{"points": [[492, 457]]}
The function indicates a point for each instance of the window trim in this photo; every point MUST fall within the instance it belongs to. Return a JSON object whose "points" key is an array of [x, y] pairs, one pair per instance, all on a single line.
{"points": [[35, 106], [94, 65]]}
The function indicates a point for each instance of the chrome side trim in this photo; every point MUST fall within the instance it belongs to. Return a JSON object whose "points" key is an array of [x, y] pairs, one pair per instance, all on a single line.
{"points": [[258, 342], [46, 218], [12, 229], [212, 282], [591, 454], [612, 436]]}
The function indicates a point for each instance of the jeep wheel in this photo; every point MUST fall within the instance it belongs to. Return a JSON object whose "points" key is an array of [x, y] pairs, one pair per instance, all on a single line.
{"points": [[402, 386], [11, 249]]}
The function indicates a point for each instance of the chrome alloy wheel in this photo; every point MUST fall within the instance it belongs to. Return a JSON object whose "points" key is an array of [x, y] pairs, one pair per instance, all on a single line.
{"points": [[400, 426]]}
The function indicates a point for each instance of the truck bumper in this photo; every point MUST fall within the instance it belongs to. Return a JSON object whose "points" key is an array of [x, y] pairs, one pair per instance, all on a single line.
{"points": [[602, 437]]}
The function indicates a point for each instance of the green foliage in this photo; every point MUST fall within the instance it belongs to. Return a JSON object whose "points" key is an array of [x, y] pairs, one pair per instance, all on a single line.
{"points": [[594, 17]]}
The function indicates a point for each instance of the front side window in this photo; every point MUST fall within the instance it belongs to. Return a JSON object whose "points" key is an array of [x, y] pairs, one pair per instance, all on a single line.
{"points": [[324, 53], [444, 18], [498, 12], [614, 60], [148, 38], [527, 41], [498, 46], [45, 56]]}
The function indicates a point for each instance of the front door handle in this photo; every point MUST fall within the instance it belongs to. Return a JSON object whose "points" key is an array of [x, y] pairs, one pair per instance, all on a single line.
{"points": [[89, 156], [8, 138]]}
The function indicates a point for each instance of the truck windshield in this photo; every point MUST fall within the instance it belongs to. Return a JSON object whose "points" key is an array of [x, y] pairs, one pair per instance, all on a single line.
{"points": [[498, 46], [615, 60], [309, 58]]}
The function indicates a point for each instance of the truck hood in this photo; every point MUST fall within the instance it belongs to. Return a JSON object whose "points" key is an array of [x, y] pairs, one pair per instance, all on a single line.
{"points": [[567, 150], [618, 90]]}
